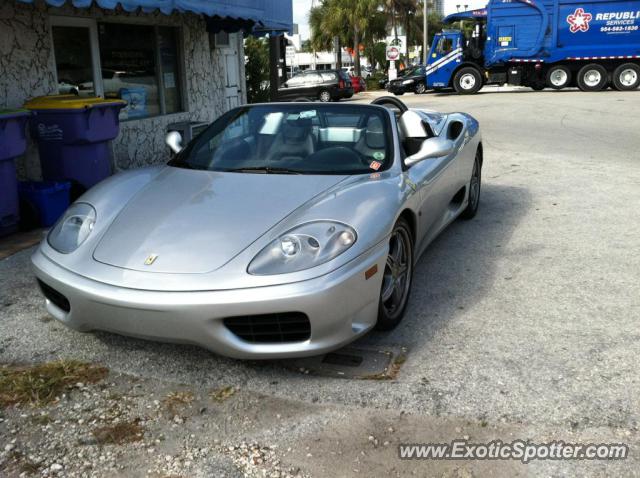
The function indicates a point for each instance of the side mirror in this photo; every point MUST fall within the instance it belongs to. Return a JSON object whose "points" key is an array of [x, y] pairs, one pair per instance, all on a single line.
{"points": [[174, 141], [431, 148]]}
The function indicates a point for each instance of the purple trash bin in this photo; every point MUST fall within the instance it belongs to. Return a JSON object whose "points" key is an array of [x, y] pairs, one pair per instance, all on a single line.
{"points": [[13, 143], [73, 135]]}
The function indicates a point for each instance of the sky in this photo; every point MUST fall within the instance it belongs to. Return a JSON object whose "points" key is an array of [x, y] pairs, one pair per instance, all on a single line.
{"points": [[301, 11]]}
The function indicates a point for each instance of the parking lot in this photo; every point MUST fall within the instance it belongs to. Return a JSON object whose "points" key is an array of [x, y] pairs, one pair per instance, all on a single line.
{"points": [[523, 323]]}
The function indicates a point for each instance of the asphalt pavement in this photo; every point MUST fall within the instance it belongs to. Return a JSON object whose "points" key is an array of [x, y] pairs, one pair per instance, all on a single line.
{"points": [[522, 323]]}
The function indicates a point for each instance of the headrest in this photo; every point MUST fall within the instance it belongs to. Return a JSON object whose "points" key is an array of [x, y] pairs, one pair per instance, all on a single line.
{"points": [[296, 130], [411, 125], [374, 134]]}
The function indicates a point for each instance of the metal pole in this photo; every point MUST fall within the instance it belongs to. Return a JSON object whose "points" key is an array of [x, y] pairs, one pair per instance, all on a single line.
{"points": [[425, 35]]}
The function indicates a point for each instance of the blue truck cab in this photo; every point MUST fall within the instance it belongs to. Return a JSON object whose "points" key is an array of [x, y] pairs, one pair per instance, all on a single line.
{"points": [[540, 43]]}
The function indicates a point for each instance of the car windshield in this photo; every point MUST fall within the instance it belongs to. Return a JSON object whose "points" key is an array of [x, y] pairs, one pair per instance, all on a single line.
{"points": [[294, 138], [413, 71]]}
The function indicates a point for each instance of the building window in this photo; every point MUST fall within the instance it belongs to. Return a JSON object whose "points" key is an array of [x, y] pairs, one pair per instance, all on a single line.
{"points": [[136, 63], [221, 39], [169, 65], [73, 59]]}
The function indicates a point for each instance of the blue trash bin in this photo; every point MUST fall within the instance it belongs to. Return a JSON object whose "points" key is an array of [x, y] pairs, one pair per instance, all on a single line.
{"points": [[73, 137], [49, 199], [13, 143]]}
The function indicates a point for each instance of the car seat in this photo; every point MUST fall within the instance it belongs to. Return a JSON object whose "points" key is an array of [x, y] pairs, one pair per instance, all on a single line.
{"points": [[294, 142]]}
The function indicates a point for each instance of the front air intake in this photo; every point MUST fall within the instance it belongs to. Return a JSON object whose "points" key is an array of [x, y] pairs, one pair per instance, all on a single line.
{"points": [[54, 296], [271, 328]]}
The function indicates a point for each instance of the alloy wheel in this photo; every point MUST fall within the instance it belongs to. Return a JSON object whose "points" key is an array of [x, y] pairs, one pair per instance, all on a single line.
{"points": [[397, 273], [474, 185]]}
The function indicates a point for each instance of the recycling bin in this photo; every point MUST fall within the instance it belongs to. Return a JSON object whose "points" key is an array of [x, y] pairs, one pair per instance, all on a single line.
{"points": [[13, 143], [47, 199], [73, 135]]}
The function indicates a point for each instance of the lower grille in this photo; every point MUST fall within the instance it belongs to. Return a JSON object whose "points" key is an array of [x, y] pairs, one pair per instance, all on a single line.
{"points": [[54, 296], [271, 328]]}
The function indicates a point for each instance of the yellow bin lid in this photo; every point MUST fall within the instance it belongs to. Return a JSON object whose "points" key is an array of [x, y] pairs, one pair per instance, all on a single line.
{"points": [[68, 102]]}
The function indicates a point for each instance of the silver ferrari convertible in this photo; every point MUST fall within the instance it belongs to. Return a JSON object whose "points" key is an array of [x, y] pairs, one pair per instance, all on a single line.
{"points": [[282, 230]]}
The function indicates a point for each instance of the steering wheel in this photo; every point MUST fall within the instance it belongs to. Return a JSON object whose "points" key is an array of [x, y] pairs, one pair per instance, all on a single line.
{"points": [[391, 102]]}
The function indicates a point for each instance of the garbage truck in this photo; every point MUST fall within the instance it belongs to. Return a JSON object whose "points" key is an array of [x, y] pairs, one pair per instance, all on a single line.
{"points": [[540, 44]]}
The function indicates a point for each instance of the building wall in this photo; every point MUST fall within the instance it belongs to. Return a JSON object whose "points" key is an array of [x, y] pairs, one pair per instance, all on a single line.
{"points": [[27, 69]]}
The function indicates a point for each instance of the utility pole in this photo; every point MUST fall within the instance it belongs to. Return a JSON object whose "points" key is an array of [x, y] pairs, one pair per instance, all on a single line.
{"points": [[425, 32]]}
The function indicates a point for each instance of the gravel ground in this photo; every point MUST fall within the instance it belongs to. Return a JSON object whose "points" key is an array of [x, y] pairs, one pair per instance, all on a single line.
{"points": [[523, 323]]}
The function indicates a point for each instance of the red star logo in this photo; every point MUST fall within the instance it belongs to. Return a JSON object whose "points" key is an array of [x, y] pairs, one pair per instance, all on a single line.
{"points": [[579, 21]]}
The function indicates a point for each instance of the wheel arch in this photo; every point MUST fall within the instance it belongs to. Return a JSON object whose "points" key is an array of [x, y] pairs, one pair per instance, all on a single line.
{"points": [[410, 216]]}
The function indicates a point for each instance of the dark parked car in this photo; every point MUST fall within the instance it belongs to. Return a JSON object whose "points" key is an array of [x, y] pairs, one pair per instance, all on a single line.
{"points": [[323, 85], [411, 79]]}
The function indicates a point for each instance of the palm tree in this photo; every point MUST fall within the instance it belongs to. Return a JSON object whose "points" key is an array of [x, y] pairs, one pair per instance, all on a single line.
{"points": [[392, 7], [405, 12], [328, 28]]}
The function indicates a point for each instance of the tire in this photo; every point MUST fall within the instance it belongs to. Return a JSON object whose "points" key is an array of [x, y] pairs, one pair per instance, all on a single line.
{"points": [[324, 96], [398, 275], [421, 88], [399, 93], [558, 77], [626, 77], [467, 81], [538, 86], [592, 77], [475, 184]]}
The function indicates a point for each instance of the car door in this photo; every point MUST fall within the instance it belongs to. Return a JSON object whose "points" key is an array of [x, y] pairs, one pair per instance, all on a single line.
{"points": [[445, 57], [312, 82], [292, 88], [438, 181]]}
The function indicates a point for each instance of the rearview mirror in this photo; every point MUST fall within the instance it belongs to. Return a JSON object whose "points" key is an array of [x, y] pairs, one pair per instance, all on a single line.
{"points": [[431, 148], [174, 141]]}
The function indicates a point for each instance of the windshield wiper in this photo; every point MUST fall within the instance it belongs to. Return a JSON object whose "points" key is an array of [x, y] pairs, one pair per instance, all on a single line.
{"points": [[264, 170]]}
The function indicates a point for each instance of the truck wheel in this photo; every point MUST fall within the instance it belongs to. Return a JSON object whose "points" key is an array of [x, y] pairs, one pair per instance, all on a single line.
{"points": [[592, 77], [467, 81], [558, 77], [626, 77], [538, 86]]}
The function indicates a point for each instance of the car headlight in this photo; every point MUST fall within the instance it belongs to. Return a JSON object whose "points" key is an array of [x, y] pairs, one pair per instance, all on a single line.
{"points": [[407, 82], [73, 229], [303, 247]]}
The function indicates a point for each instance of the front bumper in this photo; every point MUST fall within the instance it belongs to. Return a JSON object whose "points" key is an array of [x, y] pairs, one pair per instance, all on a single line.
{"points": [[341, 306], [400, 88]]}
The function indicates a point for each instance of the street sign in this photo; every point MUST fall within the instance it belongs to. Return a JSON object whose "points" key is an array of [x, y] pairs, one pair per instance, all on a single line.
{"points": [[393, 52], [290, 52]]}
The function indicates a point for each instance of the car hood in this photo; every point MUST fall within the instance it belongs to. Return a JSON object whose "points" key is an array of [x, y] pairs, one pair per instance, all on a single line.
{"points": [[196, 221], [404, 78]]}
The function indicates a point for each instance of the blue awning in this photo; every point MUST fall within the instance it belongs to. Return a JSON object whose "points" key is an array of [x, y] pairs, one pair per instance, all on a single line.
{"points": [[468, 15], [276, 15]]}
